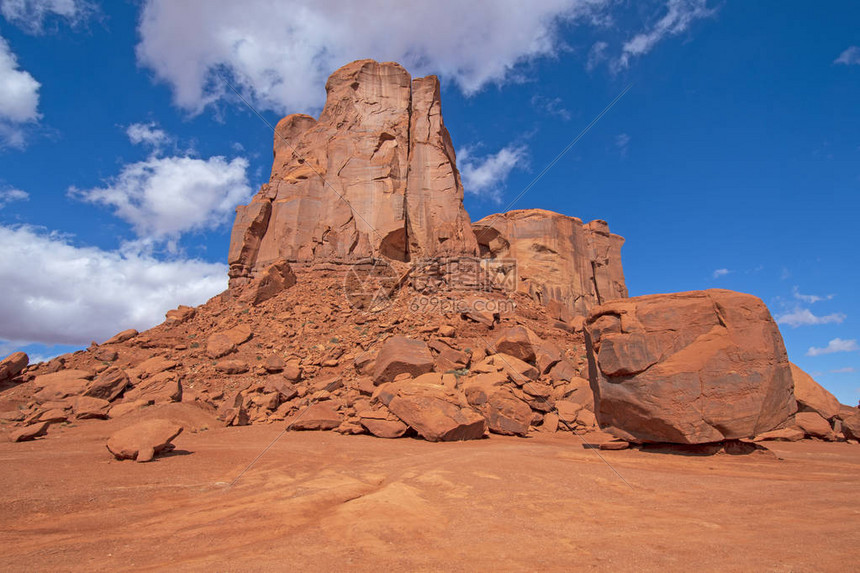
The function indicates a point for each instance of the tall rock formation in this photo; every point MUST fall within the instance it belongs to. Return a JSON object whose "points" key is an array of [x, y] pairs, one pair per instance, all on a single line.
{"points": [[375, 176], [565, 264]]}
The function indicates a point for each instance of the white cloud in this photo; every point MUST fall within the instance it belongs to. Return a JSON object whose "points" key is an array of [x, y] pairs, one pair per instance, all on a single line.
{"points": [[279, 54], [19, 98], [58, 293], [846, 370], [596, 55], [721, 273], [486, 176], [679, 15], [163, 197], [805, 317], [31, 15], [552, 106], [9, 195], [622, 141], [148, 134], [835, 345], [810, 298], [850, 57]]}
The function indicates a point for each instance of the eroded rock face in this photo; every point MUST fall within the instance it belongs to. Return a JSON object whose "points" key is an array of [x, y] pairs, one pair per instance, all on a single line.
{"points": [[688, 368], [375, 176], [812, 397], [561, 262]]}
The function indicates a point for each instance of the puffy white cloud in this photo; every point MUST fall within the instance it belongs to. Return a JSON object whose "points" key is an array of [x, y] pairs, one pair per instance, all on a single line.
{"points": [[19, 98], [486, 176], [279, 54], [721, 273], [850, 57], [680, 14], [163, 197], [32, 14], [834, 346], [57, 293], [9, 195], [805, 317], [147, 134]]}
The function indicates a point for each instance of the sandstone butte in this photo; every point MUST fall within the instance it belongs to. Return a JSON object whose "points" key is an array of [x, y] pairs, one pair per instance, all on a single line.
{"points": [[547, 341]]}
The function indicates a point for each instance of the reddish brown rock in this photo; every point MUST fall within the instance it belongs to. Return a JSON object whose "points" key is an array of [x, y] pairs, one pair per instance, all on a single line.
{"points": [[812, 397], [814, 425], [122, 336], [558, 257], [179, 315], [274, 364], [105, 354], [108, 385], [851, 426], [781, 435], [319, 416], [30, 432], [517, 341], [143, 441], [506, 414], [399, 355], [436, 412], [86, 407], [12, 365], [688, 368], [373, 177], [232, 367], [219, 345], [60, 385], [270, 282]]}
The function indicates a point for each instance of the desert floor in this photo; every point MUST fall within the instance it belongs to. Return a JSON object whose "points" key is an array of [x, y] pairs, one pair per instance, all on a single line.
{"points": [[319, 501]]}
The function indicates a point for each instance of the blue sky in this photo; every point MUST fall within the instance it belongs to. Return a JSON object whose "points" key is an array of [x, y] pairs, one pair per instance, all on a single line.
{"points": [[733, 161]]}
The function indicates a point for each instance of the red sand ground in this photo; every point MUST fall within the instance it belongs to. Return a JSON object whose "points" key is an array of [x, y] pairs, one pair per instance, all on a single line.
{"points": [[320, 501]]}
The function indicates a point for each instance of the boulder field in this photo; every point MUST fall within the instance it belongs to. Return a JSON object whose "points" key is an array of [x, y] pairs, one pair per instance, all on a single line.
{"points": [[363, 300]]}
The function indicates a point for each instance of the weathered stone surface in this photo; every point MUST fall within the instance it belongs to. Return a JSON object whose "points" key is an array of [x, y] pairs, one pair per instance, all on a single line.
{"points": [[814, 425], [61, 384], [781, 435], [108, 385], [437, 413], [517, 341], [506, 414], [558, 257], [270, 282], [12, 365], [143, 441], [688, 368], [319, 416], [373, 177], [122, 336], [219, 345], [30, 432], [811, 396], [400, 355], [851, 426], [86, 407], [232, 367], [180, 314]]}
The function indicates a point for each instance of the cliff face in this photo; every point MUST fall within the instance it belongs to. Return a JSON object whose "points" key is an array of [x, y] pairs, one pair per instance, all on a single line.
{"points": [[561, 262], [375, 176]]}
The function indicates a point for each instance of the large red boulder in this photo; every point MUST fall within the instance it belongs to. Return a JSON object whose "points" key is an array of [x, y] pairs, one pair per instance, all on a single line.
{"points": [[144, 440], [436, 412], [400, 355], [12, 365], [689, 368]]}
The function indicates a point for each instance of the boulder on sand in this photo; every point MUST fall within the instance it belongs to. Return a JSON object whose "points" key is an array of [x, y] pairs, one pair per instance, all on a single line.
{"points": [[688, 368], [436, 412], [143, 441]]}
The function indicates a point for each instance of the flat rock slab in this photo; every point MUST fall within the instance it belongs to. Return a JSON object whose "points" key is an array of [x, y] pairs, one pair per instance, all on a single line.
{"points": [[143, 441]]}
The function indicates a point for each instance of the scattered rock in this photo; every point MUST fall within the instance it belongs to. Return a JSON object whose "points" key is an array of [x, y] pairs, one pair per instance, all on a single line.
{"points": [[814, 425], [232, 367], [86, 407], [180, 315], [219, 345], [108, 385], [517, 341], [811, 396], [781, 435]]}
